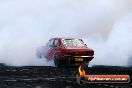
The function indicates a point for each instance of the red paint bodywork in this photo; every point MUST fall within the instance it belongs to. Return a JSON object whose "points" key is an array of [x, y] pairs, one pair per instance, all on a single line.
{"points": [[65, 53]]}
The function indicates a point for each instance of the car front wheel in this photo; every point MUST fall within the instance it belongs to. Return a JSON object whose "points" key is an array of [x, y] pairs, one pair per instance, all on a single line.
{"points": [[57, 61]]}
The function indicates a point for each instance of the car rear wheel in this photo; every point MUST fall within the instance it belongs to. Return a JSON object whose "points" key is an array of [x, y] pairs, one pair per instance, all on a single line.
{"points": [[85, 64]]}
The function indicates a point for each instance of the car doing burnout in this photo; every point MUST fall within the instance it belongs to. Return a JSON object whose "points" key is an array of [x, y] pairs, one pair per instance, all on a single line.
{"points": [[66, 51]]}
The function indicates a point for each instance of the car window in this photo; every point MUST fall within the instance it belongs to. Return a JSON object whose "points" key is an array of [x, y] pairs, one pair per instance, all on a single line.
{"points": [[56, 43], [51, 43], [73, 42]]}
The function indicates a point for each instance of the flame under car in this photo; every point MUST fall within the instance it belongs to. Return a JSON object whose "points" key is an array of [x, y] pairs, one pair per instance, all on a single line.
{"points": [[66, 51]]}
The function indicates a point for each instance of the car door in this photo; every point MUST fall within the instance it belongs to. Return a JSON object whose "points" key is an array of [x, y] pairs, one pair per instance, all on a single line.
{"points": [[56, 47], [49, 49], [52, 47]]}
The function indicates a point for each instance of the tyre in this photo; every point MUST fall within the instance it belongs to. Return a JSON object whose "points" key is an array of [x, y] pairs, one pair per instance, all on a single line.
{"points": [[57, 61], [85, 64]]}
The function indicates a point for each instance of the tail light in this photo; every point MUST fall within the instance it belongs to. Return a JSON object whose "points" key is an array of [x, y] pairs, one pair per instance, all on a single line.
{"points": [[91, 53]]}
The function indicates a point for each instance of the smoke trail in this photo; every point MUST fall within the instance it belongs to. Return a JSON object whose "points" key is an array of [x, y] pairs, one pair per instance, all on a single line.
{"points": [[116, 50], [26, 25]]}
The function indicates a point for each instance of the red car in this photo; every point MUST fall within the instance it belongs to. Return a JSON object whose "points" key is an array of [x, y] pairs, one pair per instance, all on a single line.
{"points": [[66, 51]]}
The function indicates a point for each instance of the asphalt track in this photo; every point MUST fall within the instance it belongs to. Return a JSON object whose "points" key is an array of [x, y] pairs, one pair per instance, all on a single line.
{"points": [[52, 77]]}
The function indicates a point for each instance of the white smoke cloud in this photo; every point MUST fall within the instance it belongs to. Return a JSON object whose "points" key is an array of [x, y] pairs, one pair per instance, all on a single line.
{"points": [[26, 25], [116, 50]]}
